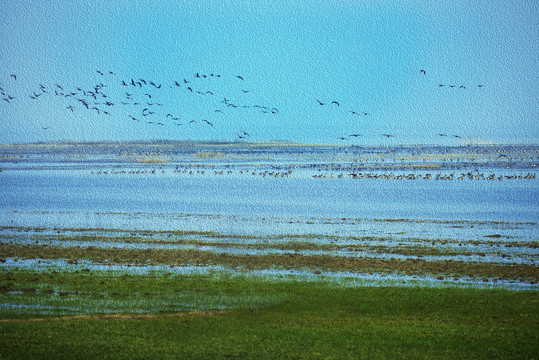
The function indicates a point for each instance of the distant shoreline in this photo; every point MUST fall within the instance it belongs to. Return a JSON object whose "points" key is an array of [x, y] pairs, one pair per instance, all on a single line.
{"points": [[276, 143]]}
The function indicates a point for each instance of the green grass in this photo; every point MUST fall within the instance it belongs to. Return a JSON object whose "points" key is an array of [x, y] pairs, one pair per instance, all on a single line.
{"points": [[271, 320]]}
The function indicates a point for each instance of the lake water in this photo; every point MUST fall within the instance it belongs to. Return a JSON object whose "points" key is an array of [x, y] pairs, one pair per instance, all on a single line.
{"points": [[81, 195], [234, 188]]}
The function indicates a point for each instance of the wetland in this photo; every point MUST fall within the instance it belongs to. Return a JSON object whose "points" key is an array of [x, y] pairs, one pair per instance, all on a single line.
{"points": [[215, 234]]}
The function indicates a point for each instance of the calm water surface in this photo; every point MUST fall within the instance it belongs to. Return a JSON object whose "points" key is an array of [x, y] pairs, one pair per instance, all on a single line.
{"points": [[79, 191]]}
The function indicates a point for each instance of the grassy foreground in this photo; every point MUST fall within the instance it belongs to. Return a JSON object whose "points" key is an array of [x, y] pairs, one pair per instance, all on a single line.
{"points": [[269, 320]]}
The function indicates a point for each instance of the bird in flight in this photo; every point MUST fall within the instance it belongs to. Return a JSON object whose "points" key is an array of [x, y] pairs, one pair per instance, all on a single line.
{"points": [[321, 103], [207, 122], [239, 77], [422, 72], [13, 76], [335, 102], [355, 135], [388, 135]]}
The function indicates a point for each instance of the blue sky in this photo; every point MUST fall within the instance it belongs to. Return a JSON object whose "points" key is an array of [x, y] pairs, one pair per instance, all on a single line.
{"points": [[365, 55]]}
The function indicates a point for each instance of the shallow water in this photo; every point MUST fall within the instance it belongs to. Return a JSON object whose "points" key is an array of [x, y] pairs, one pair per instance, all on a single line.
{"points": [[513, 255], [80, 192]]}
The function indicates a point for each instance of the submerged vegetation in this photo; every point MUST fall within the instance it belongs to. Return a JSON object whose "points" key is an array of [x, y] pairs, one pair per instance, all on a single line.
{"points": [[495, 258]]}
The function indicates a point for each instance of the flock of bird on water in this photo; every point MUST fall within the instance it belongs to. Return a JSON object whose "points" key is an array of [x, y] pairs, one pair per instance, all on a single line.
{"points": [[140, 97], [353, 175]]}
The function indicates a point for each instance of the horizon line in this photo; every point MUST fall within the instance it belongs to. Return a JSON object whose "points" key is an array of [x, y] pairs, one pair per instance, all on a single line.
{"points": [[258, 143]]}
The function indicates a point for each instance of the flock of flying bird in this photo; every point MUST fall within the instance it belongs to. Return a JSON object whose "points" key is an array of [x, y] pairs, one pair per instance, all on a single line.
{"points": [[421, 72], [142, 104], [140, 100]]}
